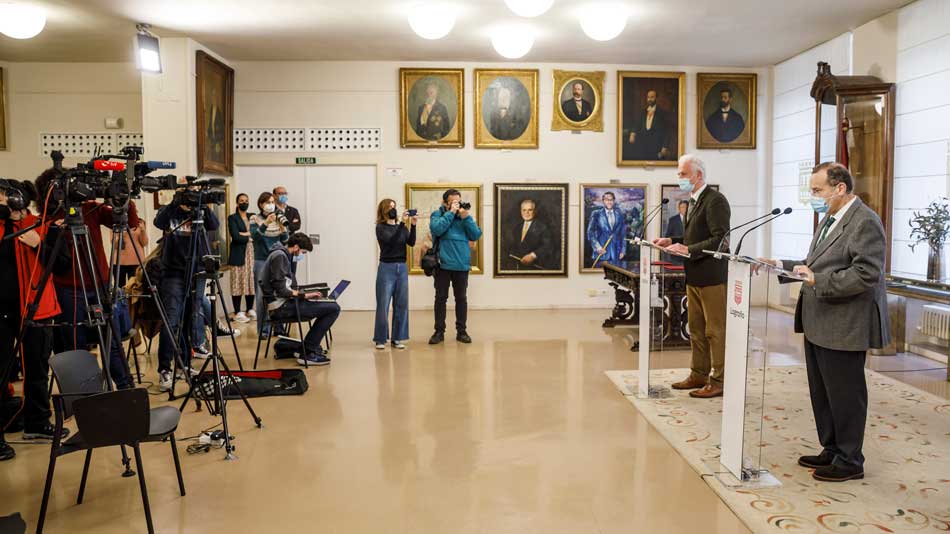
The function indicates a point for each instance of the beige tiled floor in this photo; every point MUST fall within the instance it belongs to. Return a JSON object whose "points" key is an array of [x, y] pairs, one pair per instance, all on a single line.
{"points": [[519, 432]]}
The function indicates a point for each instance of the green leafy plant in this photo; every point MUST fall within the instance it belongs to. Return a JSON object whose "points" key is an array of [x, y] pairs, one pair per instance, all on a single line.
{"points": [[933, 226]]}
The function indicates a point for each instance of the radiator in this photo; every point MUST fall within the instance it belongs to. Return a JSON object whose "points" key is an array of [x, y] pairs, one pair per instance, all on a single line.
{"points": [[935, 321]]}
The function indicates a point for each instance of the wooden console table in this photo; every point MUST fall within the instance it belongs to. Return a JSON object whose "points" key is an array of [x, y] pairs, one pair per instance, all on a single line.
{"points": [[671, 327]]}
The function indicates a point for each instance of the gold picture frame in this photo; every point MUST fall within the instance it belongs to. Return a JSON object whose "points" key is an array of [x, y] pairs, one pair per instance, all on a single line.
{"points": [[506, 108], [444, 124], [215, 115], [636, 143], [565, 113], [630, 201], [427, 198], [3, 113], [737, 130]]}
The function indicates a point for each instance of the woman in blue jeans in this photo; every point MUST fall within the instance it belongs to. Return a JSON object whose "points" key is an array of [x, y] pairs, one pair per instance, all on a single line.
{"points": [[392, 277], [266, 231]]}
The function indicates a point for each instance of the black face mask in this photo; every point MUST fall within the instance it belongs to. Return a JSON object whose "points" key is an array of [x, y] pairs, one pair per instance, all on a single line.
{"points": [[243, 206], [392, 213], [5, 212]]}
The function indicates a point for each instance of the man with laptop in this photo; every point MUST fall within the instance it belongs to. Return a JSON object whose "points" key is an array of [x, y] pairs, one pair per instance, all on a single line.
{"points": [[284, 300]]}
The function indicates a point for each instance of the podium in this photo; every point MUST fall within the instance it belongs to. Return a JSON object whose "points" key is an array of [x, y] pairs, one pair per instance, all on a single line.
{"points": [[651, 296], [740, 462]]}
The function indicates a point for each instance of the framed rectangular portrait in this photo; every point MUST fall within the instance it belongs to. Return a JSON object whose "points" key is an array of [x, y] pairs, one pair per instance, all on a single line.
{"points": [[215, 112], [652, 129], [427, 198], [530, 230], [725, 105], [578, 103], [610, 215], [3, 114], [431, 108], [672, 214], [506, 108]]}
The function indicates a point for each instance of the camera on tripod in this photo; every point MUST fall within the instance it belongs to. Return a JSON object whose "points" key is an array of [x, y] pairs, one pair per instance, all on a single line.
{"points": [[201, 191], [211, 263]]}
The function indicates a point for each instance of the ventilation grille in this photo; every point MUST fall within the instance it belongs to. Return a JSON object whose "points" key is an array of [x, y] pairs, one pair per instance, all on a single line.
{"points": [[262, 140], [129, 139], [343, 140], [77, 145], [270, 140]]}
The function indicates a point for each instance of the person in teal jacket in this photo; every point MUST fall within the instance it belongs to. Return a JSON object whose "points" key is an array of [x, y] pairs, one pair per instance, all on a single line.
{"points": [[453, 228], [266, 231]]}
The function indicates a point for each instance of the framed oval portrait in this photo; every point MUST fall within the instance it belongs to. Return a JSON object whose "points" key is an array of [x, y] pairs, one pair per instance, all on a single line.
{"points": [[726, 104], [431, 108], [506, 108], [578, 101]]}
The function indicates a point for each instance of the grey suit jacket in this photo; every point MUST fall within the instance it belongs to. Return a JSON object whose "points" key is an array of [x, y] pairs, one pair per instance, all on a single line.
{"points": [[846, 309]]}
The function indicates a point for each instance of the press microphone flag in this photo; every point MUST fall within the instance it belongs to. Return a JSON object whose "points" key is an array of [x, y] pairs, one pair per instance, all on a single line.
{"points": [[160, 164]]}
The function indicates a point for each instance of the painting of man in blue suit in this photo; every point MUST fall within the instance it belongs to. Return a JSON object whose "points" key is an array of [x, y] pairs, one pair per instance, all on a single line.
{"points": [[611, 216], [606, 231]]}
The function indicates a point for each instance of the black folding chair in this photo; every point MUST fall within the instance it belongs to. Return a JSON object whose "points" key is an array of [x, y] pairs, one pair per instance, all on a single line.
{"points": [[272, 322], [104, 419]]}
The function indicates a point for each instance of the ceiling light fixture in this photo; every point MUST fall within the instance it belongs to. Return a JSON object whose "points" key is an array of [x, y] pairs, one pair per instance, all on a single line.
{"points": [[21, 21], [148, 57], [513, 41], [431, 20], [529, 8], [604, 21]]}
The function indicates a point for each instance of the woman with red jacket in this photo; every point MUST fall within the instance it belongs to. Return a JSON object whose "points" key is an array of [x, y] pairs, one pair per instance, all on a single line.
{"points": [[20, 272]]}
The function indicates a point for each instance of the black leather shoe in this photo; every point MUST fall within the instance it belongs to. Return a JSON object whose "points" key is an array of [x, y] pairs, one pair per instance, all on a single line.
{"points": [[437, 338], [814, 462], [838, 473], [462, 337], [6, 452]]}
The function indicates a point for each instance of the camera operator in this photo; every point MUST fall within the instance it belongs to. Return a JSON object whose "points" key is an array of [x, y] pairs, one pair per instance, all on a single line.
{"points": [[278, 285], [20, 268], [72, 297], [177, 267]]}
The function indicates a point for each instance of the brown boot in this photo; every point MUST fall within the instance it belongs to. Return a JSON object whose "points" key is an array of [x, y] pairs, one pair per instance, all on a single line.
{"points": [[690, 383], [708, 392]]}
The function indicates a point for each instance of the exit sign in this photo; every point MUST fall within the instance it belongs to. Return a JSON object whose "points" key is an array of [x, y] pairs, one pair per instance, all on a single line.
{"points": [[307, 161]]}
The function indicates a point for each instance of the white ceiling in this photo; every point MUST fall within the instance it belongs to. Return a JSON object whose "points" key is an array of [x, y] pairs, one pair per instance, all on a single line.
{"points": [[743, 33]]}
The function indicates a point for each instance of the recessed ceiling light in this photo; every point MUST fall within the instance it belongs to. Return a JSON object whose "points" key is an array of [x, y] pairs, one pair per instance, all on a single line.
{"points": [[529, 8], [603, 21], [21, 21], [431, 20], [513, 41]]}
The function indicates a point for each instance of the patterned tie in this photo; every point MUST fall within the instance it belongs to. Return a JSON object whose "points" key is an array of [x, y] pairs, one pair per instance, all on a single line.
{"points": [[824, 230], [689, 209]]}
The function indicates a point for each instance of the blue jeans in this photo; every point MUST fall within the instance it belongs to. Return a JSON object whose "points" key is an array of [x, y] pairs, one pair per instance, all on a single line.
{"points": [[172, 291], [392, 284], [73, 307], [259, 306]]}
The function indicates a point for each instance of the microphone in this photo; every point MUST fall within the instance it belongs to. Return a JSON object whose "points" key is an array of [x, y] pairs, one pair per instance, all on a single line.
{"points": [[775, 211], [160, 164], [767, 221], [650, 216], [106, 165], [209, 181]]}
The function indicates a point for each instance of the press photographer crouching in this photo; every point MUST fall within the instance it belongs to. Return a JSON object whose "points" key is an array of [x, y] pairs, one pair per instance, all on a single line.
{"points": [[70, 291], [180, 253], [20, 270], [284, 302]]}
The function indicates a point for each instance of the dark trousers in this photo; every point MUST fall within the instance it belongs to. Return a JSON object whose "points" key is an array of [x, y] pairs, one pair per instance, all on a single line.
{"points": [[126, 272], [180, 314], [459, 282], [37, 346], [73, 307], [325, 314], [839, 400]]}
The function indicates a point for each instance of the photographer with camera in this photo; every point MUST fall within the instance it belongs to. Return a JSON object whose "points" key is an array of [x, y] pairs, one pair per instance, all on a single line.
{"points": [[278, 285], [72, 297], [21, 270], [267, 229], [392, 276], [178, 267], [453, 228]]}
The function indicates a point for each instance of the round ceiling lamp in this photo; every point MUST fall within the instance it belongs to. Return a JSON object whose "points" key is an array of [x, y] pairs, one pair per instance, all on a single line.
{"points": [[431, 20], [529, 8], [604, 21], [512, 41], [21, 21]]}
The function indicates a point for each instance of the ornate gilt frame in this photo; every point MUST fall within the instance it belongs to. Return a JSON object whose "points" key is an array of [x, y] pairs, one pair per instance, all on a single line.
{"points": [[485, 139], [479, 253], [594, 123], [681, 117], [405, 127]]}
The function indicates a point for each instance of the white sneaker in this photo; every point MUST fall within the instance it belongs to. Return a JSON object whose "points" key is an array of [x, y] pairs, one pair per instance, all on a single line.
{"points": [[399, 345], [180, 375], [239, 317], [380, 346], [164, 380], [202, 352], [223, 330], [252, 315]]}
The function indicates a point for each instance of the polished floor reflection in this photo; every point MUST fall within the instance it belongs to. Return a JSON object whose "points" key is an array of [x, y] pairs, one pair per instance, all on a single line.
{"points": [[519, 432]]}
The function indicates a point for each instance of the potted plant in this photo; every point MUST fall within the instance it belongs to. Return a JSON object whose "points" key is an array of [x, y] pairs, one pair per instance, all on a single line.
{"points": [[932, 227]]}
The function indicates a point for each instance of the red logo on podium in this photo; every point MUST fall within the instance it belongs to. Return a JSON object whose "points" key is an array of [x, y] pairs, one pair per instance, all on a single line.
{"points": [[738, 292]]}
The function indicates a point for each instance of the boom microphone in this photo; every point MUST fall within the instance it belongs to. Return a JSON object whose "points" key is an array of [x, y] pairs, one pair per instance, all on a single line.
{"points": [[767, 221], [650, 216], [106, 165], [209, 181], [775, 211]]}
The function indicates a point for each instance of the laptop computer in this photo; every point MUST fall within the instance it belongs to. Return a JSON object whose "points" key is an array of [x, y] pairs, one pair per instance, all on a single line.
{"points": [[335, 294]]}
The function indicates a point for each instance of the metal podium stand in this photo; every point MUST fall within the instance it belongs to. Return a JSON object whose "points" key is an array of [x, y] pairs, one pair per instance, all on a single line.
{"points": [[740, 462]]}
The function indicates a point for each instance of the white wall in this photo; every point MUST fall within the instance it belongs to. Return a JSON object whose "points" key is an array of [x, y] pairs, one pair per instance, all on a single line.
{"points": [[366, 94], [922, 134]]}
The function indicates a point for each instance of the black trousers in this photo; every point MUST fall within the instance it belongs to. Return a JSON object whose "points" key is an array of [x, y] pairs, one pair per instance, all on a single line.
{"points": [[37, 346], [325, 314], [839, 400], [459, 282]]}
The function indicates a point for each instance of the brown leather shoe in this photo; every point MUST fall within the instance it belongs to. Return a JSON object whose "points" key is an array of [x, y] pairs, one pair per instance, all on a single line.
{"points": [[708, 392], [690, 383]]}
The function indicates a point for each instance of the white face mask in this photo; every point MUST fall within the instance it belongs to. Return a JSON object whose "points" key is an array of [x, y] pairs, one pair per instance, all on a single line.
{"points": [[269, 208]]}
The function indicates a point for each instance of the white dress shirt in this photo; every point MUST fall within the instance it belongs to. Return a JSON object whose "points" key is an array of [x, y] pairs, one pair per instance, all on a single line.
{"points": [[838, 216]]}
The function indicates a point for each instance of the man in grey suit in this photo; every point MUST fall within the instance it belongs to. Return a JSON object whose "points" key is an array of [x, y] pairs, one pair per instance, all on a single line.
{"points": [[842, 310]]}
